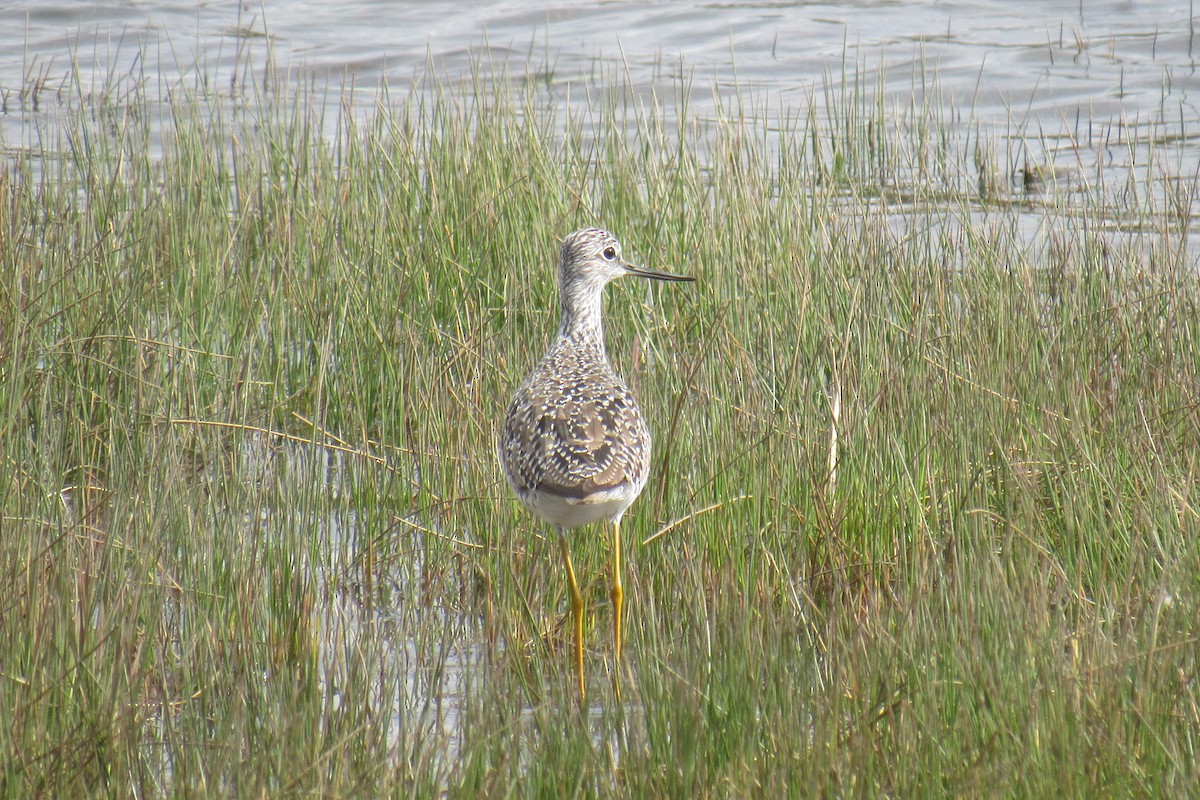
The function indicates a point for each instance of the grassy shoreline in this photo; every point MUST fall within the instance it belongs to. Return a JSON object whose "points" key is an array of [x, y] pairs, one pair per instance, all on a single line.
{"points": [[255, 540]]}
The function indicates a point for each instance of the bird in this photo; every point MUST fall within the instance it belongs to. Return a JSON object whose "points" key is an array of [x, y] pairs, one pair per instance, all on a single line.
{"points": [[574, 445]]}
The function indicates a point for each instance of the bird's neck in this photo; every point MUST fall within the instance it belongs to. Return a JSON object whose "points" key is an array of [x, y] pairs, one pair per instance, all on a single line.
{"points": [[581, 317]]}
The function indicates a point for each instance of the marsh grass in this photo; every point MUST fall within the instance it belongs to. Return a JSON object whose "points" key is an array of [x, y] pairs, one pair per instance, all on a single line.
{"points": [[255, 541]]}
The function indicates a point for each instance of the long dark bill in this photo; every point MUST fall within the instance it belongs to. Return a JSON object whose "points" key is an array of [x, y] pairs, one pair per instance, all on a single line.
{"points": [[655, 274]]}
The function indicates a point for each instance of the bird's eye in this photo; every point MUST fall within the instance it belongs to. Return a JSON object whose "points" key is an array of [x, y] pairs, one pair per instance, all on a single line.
{"points": [[610, 253]]}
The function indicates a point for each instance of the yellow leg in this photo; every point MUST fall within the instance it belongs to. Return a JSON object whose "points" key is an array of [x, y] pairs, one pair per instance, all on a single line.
{"points": [[618, 601], [577, 611]]}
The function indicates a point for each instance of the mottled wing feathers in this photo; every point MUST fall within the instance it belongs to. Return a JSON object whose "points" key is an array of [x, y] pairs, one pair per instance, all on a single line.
{"points": [[574, 430]]}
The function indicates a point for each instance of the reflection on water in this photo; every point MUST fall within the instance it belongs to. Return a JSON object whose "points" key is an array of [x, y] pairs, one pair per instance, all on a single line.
{"points": [[384, 643]]}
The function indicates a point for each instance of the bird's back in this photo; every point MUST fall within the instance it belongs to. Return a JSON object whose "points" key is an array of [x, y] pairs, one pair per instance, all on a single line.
{"points": [[574, 444]]}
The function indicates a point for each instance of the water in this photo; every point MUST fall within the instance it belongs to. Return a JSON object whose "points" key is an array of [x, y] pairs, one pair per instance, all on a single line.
{"points": [[1052, 67], [1102, 90]]}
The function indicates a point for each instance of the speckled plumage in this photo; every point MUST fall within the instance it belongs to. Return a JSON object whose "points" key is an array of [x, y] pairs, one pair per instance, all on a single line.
{"points": [[574, 445]]}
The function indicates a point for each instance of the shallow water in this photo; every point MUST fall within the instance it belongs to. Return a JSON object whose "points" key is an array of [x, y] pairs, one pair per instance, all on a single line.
{"points": [[1070, 96], [1053, 68]]}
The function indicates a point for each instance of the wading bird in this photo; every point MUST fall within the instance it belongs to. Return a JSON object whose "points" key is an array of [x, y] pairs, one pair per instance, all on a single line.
{"points": [[575, 446]]}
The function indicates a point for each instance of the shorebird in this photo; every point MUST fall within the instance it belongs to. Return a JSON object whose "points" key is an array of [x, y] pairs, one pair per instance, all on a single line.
{"points": [[575, 446]]}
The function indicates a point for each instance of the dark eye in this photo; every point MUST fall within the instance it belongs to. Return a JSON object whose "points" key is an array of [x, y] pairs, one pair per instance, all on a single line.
{"points": [[610, 253]]}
